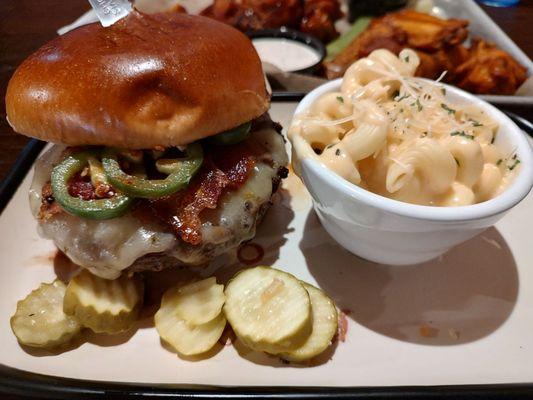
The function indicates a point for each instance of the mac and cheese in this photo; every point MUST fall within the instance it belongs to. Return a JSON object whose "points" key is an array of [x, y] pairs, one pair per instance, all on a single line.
{"points": [[402, 138]]}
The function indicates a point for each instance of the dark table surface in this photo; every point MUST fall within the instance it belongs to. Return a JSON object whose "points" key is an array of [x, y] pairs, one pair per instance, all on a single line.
{"points": [[27, 24]]}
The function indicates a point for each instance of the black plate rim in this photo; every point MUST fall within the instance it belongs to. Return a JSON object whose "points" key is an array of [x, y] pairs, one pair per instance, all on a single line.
{"points": [[18, 171], [23, 383], [32, 385]]}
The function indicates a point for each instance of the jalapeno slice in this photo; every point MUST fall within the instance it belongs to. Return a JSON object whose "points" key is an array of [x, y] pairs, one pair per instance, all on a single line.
{"points": [[232, 136], [180, 172], [91, 209]]}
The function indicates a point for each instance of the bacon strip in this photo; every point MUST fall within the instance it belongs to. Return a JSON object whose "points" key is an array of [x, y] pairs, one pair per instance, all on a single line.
{"points": [[49, 206], [224, 169], [181, 211], [81, 189], [236, 162]]}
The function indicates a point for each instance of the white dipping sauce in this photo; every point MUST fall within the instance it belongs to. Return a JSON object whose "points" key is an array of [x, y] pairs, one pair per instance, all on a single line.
{"points": [[288, 55]]}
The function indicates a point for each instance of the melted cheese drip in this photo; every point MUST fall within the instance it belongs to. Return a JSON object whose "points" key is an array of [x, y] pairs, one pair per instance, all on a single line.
{"points": [[107, 247]]}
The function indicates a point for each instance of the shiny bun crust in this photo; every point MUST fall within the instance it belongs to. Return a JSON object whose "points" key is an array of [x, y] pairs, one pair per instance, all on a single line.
{"points": [[146, 81]]}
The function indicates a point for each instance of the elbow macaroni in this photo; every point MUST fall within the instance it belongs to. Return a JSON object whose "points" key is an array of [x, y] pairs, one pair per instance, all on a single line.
{"points": [[468, 157], [427, 158], [400, 137]]}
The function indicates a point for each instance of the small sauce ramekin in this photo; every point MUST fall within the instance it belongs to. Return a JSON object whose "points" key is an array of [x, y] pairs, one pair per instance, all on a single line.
{"points": [[288, 36], [388, 231]]}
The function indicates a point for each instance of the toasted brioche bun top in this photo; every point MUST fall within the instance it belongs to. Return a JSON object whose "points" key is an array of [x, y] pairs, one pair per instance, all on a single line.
{"points": [[146, 81]]}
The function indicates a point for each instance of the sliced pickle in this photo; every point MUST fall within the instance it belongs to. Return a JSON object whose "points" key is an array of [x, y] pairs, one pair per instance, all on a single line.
{"points": [[40, 321], [268, 309], [104, 306], [198, 302], [325, 322], [185, 337]]}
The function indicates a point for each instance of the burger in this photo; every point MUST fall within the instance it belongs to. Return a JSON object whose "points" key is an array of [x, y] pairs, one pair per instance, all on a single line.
{"points": [[163, 150]]}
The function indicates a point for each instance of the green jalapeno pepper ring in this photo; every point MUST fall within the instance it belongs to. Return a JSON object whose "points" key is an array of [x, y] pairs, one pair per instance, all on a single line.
{"points": [[182, 172], [91, 209], [232, 136]]}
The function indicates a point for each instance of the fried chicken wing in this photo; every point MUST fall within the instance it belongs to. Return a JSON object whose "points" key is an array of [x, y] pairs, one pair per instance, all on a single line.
{"points": [[248, 15], [396, 31], [378, 35], [319, 18], [426, 32], [482, 69], [489, 70], [432, 65], [316, 17]]}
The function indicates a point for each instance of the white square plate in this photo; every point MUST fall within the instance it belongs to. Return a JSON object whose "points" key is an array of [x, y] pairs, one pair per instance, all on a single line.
{"points": [[465, 318]]}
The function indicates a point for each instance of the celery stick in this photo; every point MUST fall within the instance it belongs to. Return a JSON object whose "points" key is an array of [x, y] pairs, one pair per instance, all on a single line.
{"points": [[338, 45]]}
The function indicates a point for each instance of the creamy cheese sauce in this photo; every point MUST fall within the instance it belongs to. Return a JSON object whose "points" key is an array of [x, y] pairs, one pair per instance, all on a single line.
{"points": [[402, 138], [288, 55]]}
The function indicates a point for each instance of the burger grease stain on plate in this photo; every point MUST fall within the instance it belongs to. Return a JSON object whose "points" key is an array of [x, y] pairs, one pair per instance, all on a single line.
{"points": [[42, 259], [250, 253], [427, 331], [430, 332], [454, 334], [342, 329]]}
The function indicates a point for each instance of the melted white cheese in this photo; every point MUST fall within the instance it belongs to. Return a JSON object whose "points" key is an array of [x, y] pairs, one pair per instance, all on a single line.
{"points": [[107, 247]]}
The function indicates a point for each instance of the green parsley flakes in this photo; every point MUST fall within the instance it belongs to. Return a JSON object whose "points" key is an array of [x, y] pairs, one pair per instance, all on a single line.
{"points": [[462, 134], [513, 166], [445, 107]]}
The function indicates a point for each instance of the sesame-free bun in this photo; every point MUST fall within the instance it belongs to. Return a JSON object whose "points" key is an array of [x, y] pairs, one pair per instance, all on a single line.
{"points": [[146, 81]]}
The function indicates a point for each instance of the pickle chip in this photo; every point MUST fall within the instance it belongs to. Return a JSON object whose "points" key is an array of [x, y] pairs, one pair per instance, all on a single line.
{"points": [[189, 339], [104, 306], [198, 302], [268, 309], [325, 321], [39, 320], [184, 336]]}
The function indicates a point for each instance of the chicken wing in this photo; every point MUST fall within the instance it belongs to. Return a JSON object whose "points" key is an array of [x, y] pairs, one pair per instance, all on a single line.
{"points": [[426, 32], [483, 68], [396, 31], [489, 70], [316, 17], [249, 15], [378, 35], [319, 19], [432, 65]]}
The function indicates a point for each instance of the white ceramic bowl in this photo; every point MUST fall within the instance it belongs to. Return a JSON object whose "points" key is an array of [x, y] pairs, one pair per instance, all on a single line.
{"points": [[392, 232]]}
